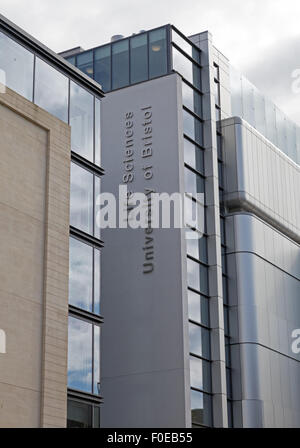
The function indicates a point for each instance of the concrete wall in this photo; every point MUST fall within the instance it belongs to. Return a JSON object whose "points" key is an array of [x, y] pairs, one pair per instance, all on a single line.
{"points": [[34, 227], [144, 357]]}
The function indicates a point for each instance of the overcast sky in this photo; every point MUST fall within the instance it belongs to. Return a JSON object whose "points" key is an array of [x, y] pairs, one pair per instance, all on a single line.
{"points": [[260, 37]]}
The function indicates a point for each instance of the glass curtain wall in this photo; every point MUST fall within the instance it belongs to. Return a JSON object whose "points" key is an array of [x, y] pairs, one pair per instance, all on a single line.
{"points": [[39, 82], [251, 105], [186, 61], [131, 60]]}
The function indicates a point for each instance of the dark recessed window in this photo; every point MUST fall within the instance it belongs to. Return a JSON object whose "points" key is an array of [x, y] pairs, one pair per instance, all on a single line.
{"points": [[120, 64], [138, 58], [82, 415], [103, 67], [85, 63], [158, 53]]}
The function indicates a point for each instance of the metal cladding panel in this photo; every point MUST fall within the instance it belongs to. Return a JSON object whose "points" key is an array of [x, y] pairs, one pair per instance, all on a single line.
{"points": [[145, 363], [260, 178], [264, 291]]}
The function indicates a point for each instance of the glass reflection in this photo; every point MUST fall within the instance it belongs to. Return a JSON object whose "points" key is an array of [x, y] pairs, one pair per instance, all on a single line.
{"points": [[102, 67], [194, 214], [82, 121], [80, 355], [85, 63], [81, 275], [199, 340], [201, 408], [17, 65], [97, 131], [197, 276], [185, 67], [191, 99], [200, 374], [196, 246], [51, 90], [81, 204], [192, 127], [185, 46], [120, 64], [79, 415], [194, 184], [198, 308], [96, 281], [157, 53], [138, 58], [96, 359], [193, 156]]}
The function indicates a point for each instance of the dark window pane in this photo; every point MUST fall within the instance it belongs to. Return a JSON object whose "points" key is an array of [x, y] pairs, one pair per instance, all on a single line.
{"points": [[16, 65], [79, 414], [96, 359], [80, 355], [198, 308], [85, 63], [201, 408], [200, 374], [157, 53], [139, 58], [193, 156], [96, 417], [102, 67], [82, 121], [71, 60], [51, 90], [81, 275], [120, 64], [217, 93], [192, 127], [199, 341], [191, 99], [81, 208]]}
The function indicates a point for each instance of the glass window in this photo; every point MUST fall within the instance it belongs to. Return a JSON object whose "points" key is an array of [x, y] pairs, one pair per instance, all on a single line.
{"points": [[186, 68], [17, 64], [82, 121], [186, 46], [80, 415], [83, 356], [271, 121], [201, 408], [217, 93], [97, 131], [83, 415], [51, 90], [158, 53], [197, 276], [191, 99], [260, 112], [192, 127], [97, 229], [196, 245], [194, 184], [200, 374], [96, 281], [216, 71], [248, 102], [102, 67], [138, 58], [81, 275], [198, 308], [85, 63], [199, 340], [236, 93], [193, 156], [194, 214], [71, 60], [120, 64], [81, 206], [80, 356]]}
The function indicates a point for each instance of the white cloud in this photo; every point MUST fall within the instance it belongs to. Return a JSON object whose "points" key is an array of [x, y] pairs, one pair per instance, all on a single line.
{"points": [[246, 32]]}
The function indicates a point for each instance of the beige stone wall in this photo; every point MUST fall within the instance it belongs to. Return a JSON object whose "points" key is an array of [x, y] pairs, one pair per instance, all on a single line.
{"points": [[34, 250]]}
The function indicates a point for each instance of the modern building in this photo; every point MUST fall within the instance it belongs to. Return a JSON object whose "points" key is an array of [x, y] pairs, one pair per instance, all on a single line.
{"points": [[198, 331], [50, 246]]}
